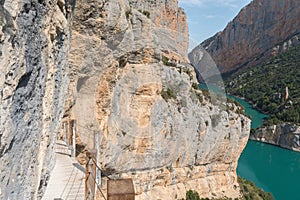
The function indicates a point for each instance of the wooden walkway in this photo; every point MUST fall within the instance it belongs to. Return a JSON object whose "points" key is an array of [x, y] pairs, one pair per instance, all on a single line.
{"points": [[67, 180]]}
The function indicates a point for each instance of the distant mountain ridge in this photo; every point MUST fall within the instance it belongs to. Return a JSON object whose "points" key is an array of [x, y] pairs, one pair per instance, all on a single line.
{"points": [[262, 29]]}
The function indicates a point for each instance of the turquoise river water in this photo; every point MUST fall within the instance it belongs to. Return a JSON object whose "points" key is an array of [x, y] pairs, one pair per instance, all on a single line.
{"points": [[274, 169], [271, 168]]}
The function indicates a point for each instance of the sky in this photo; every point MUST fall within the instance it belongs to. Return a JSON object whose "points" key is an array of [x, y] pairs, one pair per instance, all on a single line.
{"points": [[207, 17]]}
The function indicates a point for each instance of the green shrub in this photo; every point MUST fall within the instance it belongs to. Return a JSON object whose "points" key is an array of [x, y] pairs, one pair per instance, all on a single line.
{"points": [[248, 189], [145, 12], [206, 94], [195, 86], [251, 191], [128, 13], [188, 72], [168, 94], [166, 62], [192, 195]]}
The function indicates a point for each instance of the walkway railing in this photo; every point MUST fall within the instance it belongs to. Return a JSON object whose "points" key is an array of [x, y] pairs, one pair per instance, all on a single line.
{"points": [[115, 188]]}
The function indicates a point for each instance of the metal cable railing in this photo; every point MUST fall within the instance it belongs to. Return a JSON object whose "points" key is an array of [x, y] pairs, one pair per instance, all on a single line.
{"points": [[92, 184], [91, 168]]}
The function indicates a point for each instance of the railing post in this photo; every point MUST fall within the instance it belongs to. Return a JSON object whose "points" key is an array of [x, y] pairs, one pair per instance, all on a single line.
{"points": [[90, 174], [69, 134], [97, 147], [65, 132], [73, 149]]}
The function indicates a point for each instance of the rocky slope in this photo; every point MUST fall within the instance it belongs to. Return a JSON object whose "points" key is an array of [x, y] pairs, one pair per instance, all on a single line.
{"points": [[262, 29], [154, 126], [34, 44], [283, 135]]}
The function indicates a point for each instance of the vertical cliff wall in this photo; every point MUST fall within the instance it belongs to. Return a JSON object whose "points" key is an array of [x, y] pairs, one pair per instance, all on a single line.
{"points": [[262, 29], [34, 45], [154, 126], [169, 24]]}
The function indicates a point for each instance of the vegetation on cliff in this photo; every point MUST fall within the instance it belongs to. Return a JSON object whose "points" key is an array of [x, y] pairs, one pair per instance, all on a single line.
{"points": [[251, 191], [273, 87], [248, 189]]}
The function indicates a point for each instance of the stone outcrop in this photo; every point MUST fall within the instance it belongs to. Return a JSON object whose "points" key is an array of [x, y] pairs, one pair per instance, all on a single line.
{"points": [[154, 126], [283, 135], [34, 44], [169, 24], [262, 29]]}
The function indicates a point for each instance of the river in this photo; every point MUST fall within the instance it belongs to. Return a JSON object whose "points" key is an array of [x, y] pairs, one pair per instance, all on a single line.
{"points": [[275, 170]]}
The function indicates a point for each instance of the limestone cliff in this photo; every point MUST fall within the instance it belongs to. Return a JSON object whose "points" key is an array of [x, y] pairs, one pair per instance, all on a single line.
{"points": [[283, 135], [34, 44], [123, 81], [262, 29], [154, 126]]}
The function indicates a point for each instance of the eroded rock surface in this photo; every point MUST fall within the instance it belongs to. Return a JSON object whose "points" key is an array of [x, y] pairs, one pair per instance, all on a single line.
{"points": [[34, 43], [129, 81], [154, 126]]}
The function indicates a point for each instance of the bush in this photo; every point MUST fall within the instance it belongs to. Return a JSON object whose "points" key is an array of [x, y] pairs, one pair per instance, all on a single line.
{"points": [[168, 94], [166, 62], [145, 12], [248, 189], [192, 195], [251, 191], [195, 86], [206, 94], [128, 13]]}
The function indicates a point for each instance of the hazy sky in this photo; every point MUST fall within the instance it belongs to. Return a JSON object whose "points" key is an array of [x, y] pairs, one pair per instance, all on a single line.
{"points": [[207, 17]]}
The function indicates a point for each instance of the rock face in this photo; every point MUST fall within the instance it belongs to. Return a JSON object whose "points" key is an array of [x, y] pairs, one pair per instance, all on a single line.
{"points": [[34, 43], [283, 135], [169, 24], [154, 126], [262, 29]]}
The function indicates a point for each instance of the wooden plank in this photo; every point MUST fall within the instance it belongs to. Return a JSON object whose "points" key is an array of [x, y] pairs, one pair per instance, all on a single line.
{"points": [[90, 177], [69, 134], [121, 189]]}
